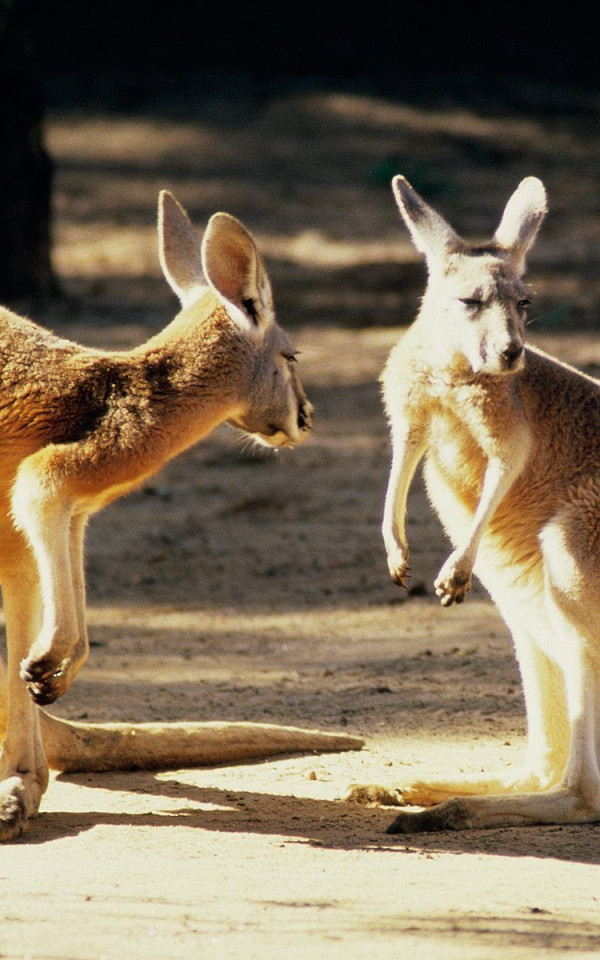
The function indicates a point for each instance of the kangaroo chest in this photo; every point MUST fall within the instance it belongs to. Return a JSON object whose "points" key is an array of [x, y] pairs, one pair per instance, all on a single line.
{"points": [[466, 428], [461, 442], [453, 469], [456, 449]]}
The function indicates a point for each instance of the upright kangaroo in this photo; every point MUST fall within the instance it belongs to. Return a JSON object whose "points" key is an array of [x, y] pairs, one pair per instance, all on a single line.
{"points": [[511, 440], [80, 427]]}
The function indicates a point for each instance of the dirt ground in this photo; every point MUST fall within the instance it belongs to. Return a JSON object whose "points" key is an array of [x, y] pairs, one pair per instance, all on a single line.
{"points": [[239, 587]]}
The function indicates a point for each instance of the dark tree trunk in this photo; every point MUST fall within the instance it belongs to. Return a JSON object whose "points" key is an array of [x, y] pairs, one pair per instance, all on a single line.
{"points": [[25, 168]]}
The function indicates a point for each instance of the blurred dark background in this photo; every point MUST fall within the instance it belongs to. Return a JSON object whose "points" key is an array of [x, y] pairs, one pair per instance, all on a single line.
{"points": [[381, 42], [121, 55]]}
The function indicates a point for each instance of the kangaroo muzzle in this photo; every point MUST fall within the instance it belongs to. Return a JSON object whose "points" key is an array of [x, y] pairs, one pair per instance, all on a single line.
{"points": [[512, 354], [305, 416]]}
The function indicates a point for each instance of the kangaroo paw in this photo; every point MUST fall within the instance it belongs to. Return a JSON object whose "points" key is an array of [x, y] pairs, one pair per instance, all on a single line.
{"points": [[47, 679], [453, 581], [372, 794], [398, 566], [45, 689]]}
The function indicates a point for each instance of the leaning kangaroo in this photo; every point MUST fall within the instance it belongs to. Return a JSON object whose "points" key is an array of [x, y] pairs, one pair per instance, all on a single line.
{"points": [[79, 428], [511, 440]]}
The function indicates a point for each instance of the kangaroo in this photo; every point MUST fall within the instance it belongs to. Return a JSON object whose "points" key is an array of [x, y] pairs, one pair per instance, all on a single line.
{"points": [[511, 441], [81, 427]]}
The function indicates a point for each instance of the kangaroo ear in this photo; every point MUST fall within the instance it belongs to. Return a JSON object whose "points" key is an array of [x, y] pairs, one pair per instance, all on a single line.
{"points": [[430, 232], [235, 271], [521, 220], [179, 250]]}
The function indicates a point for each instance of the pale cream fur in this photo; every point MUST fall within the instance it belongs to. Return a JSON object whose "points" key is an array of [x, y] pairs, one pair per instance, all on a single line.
{"points": [[80, 427], [511, 442]]}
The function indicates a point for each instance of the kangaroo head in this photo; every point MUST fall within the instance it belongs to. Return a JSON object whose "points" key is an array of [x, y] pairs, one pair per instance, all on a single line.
{"points": [[475, 303], [271, 404]]}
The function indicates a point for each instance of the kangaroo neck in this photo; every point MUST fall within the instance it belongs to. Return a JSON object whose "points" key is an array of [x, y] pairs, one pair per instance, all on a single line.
{"points": [[198, 353]]}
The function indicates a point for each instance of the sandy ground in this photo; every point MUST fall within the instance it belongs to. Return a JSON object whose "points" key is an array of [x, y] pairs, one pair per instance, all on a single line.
{"points": [[236, 587]]}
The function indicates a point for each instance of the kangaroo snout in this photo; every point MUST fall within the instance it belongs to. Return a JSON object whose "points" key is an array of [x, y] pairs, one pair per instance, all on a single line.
{"points": [[306, 413], [512, 354]]}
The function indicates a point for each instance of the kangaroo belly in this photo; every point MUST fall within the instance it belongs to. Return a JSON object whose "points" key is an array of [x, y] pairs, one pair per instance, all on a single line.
{"points": [[453, 501], [510, 545], [454, 471]]}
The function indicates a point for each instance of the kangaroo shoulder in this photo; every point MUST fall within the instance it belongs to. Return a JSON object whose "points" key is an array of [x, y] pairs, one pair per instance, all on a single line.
{"points": [[559, 388], [405, 376]]}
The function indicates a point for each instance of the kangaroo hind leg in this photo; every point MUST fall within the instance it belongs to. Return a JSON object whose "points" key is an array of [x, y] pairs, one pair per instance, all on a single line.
{"points": [[571, 561], [561, 676], [547, 723], [23, 766], [575, 798]]}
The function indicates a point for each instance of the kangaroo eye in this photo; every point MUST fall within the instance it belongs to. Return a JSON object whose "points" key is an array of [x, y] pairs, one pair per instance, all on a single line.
{"points": [[470, 301], [291, 357], [525, 302]]}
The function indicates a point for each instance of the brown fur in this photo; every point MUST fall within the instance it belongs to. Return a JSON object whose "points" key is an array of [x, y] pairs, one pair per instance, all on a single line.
{"points": [[80, 427]]}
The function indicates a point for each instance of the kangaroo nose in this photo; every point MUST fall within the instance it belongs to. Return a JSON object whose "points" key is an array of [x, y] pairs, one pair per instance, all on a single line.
{"points": [[305, 415], [512, 353]]}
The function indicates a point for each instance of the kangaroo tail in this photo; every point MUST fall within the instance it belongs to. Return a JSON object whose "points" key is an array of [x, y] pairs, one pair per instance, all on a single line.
{"points": [[78, 747]]}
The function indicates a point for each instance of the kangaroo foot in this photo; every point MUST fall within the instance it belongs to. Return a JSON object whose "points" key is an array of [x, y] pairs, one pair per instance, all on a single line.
{"points": [[20, 797], [452, 815]]}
